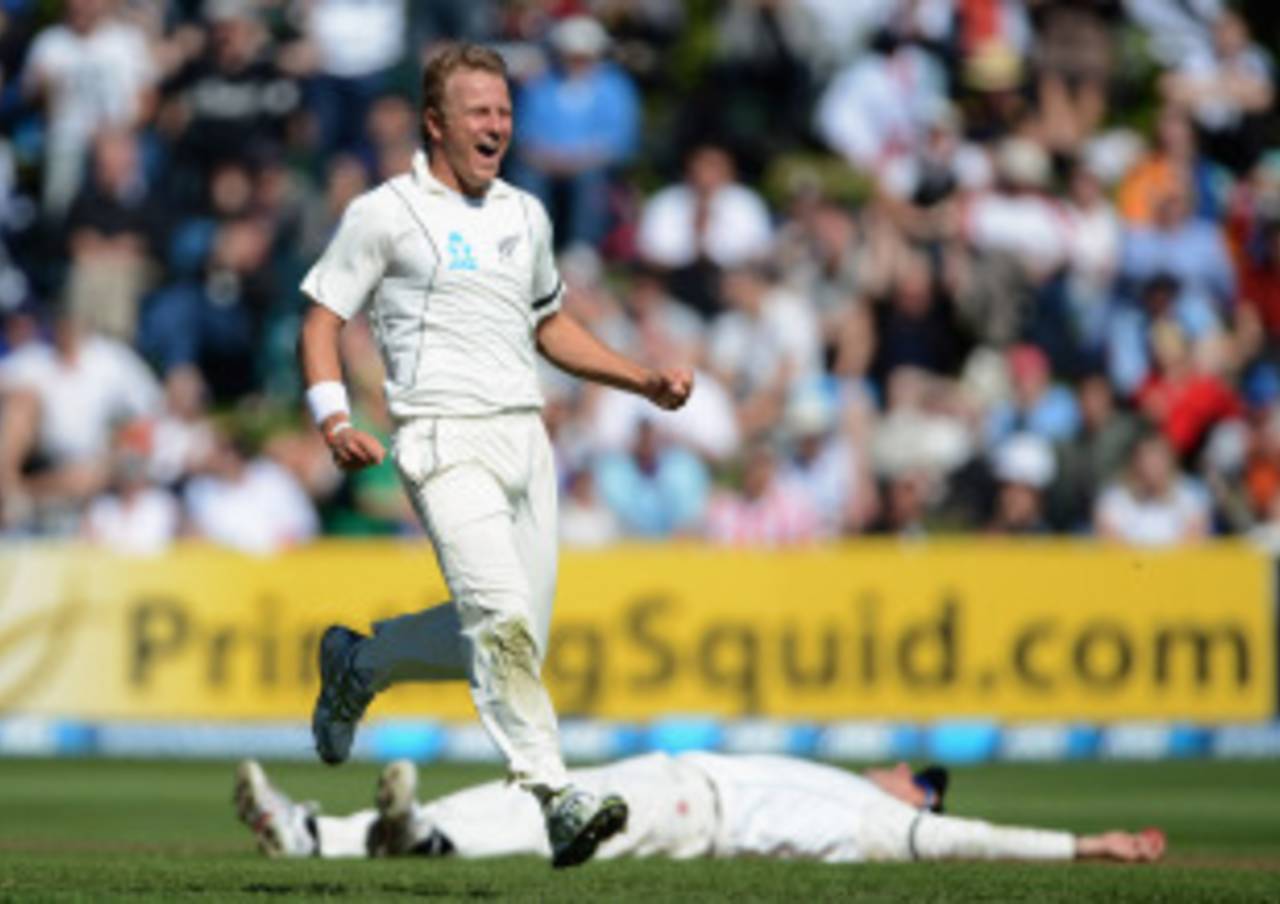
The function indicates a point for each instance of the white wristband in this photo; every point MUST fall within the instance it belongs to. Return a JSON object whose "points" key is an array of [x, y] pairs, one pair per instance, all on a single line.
{"points": [[327, 399], [339, 427]]}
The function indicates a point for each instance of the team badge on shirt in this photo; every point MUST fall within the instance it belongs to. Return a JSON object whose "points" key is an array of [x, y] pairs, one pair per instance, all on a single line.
{"points": [[507, 246], [460, 254]]}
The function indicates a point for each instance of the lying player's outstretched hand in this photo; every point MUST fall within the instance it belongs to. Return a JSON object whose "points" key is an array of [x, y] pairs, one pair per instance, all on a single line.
{"points": [[1127, 847], [670, 388], [354, 449]]}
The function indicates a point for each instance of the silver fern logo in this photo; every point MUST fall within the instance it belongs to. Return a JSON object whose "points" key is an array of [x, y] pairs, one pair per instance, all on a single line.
{"points": [[507, 246]]}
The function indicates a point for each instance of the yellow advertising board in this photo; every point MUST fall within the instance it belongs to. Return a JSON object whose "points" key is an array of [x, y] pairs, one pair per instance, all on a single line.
{"points": [[870, 630]]}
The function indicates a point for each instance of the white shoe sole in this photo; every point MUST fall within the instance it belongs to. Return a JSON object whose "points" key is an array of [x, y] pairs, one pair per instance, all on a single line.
{"points": [[396, 795], [253, 809]]}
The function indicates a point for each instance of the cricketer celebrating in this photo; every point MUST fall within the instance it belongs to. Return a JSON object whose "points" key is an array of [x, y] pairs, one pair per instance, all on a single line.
{"points": [[457, 270]]}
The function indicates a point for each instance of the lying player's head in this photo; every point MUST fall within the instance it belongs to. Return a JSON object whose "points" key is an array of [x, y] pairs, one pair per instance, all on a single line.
{"points": [[466, 113], [923, 790]]}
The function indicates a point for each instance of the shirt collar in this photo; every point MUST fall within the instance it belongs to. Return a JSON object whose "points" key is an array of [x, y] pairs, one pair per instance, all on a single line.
{"points": [[426, 179]]}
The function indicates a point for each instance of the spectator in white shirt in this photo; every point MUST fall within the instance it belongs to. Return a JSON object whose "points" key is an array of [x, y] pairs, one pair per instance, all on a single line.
{"points": [[707, 425], [1175, 31], [706, 222], [350, 50], [765, 344], [924, 430], [924, 185], [182, 437], [1021, 238], [1019, 217], [662, 331], [881, 104], [1227, 90], [843, 27], [823, 253], [708, 214], [135, 517], [249, 504], [585, 521], [61, 406], [1156, 505], [1093, 253], [89, 72]]}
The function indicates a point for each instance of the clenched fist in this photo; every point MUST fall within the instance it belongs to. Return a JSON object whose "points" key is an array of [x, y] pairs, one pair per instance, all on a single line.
{"points": [[669, 388], [352, 449]]}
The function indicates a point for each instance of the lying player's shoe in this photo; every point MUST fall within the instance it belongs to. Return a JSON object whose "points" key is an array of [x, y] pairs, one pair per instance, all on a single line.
{"points": [[578, 822], [393, 835], [279, 824], [343, 696], [398, 831]]}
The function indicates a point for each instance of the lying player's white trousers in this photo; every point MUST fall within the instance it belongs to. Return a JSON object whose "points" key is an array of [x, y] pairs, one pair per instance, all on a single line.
{"points": [[672, 813], [485, 489]]}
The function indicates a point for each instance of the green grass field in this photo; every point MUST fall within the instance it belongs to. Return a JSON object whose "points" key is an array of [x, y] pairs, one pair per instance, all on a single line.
{"points": [[106, 830]]}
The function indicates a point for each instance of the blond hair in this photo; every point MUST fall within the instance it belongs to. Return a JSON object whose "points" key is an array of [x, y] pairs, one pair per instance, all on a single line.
{"points": [[447, 59]]}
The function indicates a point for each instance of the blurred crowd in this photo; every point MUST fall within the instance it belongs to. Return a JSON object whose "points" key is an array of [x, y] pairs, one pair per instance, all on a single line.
{"points": [[941, 266]]}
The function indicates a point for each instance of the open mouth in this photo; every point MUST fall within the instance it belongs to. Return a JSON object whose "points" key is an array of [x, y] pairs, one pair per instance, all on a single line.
{"points": [[489, 150]]}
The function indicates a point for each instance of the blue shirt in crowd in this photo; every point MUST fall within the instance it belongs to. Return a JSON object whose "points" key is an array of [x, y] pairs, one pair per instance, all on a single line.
{"points": [[1194, 253], [596, 114], [671, 498], [1055, 416]]}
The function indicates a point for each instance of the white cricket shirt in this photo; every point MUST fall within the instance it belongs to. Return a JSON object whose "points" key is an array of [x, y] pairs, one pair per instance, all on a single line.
{"points": [[788, 809], [455, 287]]}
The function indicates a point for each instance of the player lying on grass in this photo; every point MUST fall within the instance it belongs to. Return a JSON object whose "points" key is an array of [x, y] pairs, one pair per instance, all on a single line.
{"points": [[685, 806]]}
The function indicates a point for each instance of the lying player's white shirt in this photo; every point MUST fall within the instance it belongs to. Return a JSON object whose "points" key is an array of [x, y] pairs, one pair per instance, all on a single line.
{"points": [[456, 287], [788, 809], [713, 805]]}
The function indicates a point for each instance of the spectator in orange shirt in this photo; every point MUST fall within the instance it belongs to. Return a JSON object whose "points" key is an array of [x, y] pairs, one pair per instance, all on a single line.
{"points": [[1173, 162]]}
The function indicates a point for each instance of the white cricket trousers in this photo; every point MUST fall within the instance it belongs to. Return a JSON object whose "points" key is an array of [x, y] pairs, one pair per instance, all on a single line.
{"points": [[485, 489], [673, 814]]}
